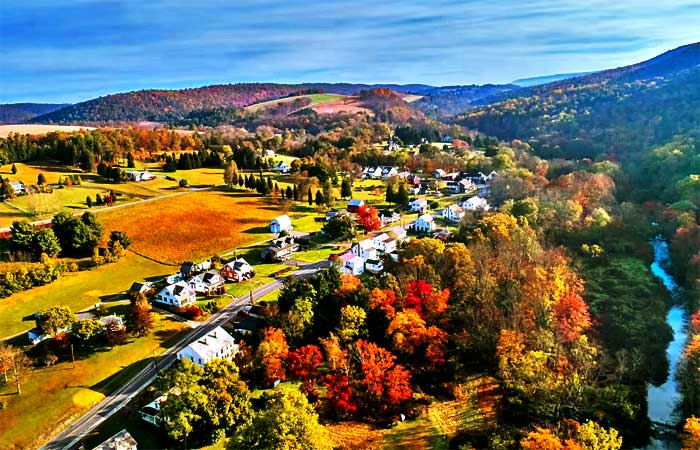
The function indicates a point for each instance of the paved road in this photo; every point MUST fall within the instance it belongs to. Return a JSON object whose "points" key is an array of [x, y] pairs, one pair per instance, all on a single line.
{"points": [[72, 435]]}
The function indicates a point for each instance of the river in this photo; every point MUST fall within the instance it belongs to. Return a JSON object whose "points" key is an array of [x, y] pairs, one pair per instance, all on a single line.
{"points": [[664, 399]]}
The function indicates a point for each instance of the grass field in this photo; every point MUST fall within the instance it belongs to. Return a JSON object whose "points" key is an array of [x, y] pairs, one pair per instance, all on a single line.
{"points": [[5, 130], [53, 395], [67, 199], [78, 290], [29, 173], [315, 100], [194, 226]]}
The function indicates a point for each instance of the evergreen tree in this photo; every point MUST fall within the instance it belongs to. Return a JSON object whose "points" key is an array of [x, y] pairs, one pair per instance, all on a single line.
{"points": [[88, 201], [401, 197], [269, 184], [346, 188], [14, 169], [276, 189], [319, 198], [130, 163], [309, 197], [291, 194], [295, 194], [41, 179], [241, 181], [390, 194]]}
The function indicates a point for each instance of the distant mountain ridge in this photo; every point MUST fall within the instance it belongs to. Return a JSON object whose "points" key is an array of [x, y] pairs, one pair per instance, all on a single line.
{"points": [[22, 112], [535, 81]]}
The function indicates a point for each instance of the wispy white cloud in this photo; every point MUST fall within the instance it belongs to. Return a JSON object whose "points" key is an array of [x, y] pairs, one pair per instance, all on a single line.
{"points": [[62, 50]]}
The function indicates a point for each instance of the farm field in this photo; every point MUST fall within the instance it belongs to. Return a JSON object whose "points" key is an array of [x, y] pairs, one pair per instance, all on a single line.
{"points": [[5, 130], [28, 173], [194, 226], [315, 100], [52, 395], [70, 199], [78, 290]]}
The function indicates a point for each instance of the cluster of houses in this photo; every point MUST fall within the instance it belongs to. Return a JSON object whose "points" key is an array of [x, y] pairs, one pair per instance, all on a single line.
{"points": [[368, 254], [383, 172], [194, 279], [425, 223], [36, 336], [215, 344]]}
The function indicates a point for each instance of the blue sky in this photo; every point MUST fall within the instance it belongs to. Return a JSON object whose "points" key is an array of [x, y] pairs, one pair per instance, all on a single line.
{"points": [[68, 51]]}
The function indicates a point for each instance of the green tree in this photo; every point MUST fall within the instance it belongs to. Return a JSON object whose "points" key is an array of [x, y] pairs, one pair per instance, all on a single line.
{"points": [[41, 179], [130, 163], [340, 225], [320, 200], [22, 236], [14, 169], [288, 193], [6, 189], [213, 402], [295, 193], [309, 197], [45, 241], [54, 319], [390, 197], [230, 174], [352, 322], [121, 237], [346, 188], [287, 422], [86, 333], [401, 197], [88, 201]]}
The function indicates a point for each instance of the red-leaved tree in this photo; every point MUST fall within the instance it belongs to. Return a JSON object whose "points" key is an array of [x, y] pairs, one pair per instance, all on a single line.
{"points": [[368, 218]]}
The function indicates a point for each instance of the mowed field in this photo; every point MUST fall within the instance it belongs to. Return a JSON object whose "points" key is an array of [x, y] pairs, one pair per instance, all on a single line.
{"points": [[315, 100], [5, 130], [53, 395], [193, 226]]}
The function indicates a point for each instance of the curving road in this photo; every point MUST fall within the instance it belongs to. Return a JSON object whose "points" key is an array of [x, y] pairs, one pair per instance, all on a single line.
{"points": [[113, 402]]}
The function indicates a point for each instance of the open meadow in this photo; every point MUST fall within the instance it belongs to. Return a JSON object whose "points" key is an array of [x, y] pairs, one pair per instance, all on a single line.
{"points": [[193, 226], [61, 392], [5, 130], [78, 290]]}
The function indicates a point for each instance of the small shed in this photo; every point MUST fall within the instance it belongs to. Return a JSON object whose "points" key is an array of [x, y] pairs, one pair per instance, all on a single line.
{"points": [[280, 224]]}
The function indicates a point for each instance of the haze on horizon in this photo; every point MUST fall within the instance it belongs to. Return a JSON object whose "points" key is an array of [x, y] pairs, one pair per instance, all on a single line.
{"points": [[70, 51]]}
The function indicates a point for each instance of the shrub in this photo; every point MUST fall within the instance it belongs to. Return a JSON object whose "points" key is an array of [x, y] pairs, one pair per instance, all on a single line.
{"points": [[190, 312]]}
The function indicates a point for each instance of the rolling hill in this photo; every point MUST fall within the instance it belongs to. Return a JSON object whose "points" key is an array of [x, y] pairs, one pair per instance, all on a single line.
{"points": [[222, 102], [615, 112], [22, 112]]}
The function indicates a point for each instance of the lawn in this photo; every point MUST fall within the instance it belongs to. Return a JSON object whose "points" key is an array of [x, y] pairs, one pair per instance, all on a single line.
{"points": [[193, 226], [316, 254], [315, 100], [8, 214], [77, 290], [29, 173], [70, 199], [53, 395], [263, 271]]}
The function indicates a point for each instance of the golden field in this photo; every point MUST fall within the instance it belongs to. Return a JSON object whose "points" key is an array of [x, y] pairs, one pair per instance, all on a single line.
{"points": [[193, 226]]}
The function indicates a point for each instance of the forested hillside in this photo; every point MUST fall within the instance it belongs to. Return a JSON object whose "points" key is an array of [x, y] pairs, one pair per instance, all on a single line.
{"points": [[615, 112]]}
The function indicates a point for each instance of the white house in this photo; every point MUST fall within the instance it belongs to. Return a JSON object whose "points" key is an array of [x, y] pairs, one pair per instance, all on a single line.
{"points": [[419, 205], [388, 171], [424, 224], [120, 441], [18, 187], [453, 213], [281, 167], [466, 185], [384, 243], [178, 294], [374, 172], [207, 283], [475, 203], [237, 270], [398, 232], [374, 265], [150, 412], [365, 249], [354, 266], [216, 344], [136, 175], [388, 216], [280, 224]]}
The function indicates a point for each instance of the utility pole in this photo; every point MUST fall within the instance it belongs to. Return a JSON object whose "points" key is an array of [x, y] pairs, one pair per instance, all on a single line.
{"points": [[72, 355], [155, 361]]}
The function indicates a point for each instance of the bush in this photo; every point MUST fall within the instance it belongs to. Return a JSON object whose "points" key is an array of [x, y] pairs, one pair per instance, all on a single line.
{"points": [[183, 183], [190, 312]]}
